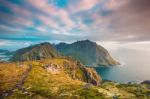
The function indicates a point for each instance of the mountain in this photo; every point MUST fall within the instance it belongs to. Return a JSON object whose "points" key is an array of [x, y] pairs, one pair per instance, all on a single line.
{"points": [[1, 50], [87, 52], [46, 51], [6, 52], [35, 52], [5, 55]]}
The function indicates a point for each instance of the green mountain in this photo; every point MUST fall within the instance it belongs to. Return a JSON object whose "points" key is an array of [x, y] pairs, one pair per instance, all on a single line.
{"points": [[87, 52], [35, 52]]}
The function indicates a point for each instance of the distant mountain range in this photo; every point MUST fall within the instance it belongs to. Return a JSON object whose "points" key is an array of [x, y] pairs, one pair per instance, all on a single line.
{"points": [[5, 51], [5, 55], [87, 52]]}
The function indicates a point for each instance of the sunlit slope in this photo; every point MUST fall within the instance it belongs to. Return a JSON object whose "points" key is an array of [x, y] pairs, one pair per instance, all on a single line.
{"points": [[61, 78]]}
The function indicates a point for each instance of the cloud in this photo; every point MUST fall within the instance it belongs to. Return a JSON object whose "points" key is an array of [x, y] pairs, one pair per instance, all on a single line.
{"points": [[41, 29], [115, 46], [13, 45], [115, 4], [48, 21], [83, 5], [7, 29], [131, 20], [50, 10], [71, 20], [16, 16], [16, 9]]}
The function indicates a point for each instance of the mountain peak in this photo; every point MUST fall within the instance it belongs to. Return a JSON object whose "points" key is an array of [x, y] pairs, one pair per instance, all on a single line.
{"points": [[85, 41], [87, 52], [36, 52]]}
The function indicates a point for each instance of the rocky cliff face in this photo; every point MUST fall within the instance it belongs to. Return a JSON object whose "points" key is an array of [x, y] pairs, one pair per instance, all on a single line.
{"points": [[87, 52], [92, 76], [78, 71], [36, 52]]}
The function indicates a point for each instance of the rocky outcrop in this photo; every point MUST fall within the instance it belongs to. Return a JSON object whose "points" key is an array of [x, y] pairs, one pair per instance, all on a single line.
{"points": [[77, 70], [92, 76], [52, 68], [36, 52], [87, 52]]}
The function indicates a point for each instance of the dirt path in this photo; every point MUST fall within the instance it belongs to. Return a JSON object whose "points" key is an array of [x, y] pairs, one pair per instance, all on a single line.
{"points": [[19, 85]]}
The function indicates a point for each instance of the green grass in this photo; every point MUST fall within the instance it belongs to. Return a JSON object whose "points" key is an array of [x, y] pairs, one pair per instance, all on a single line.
{"points": [[89, 94]]}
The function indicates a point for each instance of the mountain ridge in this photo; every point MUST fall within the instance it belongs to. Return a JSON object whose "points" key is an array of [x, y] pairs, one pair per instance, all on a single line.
{"points": [[36, 52], [88, 52], [45, 51]]}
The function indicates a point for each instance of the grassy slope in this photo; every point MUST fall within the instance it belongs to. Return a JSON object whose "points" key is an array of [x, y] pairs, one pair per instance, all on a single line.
{"points": [[10, 74], [41, 84]]}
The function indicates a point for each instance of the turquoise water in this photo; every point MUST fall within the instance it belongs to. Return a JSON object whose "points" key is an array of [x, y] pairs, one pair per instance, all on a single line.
{"points": [[135, 67]]}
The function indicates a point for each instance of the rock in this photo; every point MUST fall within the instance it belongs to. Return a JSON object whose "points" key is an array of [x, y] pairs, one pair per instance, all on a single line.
{"points": [[77, 70], [87, 86], [92, 76], [52, 68]]}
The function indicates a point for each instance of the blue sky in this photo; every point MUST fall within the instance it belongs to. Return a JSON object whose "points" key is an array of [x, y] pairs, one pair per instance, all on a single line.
{"points": [[26, 22]]}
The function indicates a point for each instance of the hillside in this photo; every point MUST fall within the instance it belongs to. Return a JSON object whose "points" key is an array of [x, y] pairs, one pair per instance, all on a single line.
{"points": [[46, 78], [87, 52], [61, 78], [35, 52]]}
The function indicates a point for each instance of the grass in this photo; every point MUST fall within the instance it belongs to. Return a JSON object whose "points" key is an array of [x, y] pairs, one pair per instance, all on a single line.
{"points": [[89, 94], [44, 84], [41, 84], [10, 74]]}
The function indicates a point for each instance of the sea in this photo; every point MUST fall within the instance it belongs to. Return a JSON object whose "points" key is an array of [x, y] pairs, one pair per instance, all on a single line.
{"points": [[135, 66]]}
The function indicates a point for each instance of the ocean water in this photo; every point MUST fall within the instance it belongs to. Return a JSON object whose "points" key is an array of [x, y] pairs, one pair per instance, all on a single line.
{"points": [[135, 66]]}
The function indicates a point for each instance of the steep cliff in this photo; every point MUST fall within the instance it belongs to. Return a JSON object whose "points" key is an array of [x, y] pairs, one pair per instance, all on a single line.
{"points": [[87, 52], [74, 69]]}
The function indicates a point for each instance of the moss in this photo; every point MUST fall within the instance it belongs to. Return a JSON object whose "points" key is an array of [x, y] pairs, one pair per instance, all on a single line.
{"points": [[18, 95], [89, 94]]}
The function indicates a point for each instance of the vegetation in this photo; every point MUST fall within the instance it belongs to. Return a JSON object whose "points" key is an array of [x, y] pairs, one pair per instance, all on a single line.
{"points": [[42, 83], [10, 74]]}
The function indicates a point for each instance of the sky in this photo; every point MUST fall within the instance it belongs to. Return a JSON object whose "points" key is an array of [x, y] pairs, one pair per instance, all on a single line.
{"points": [[111, 23]]}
